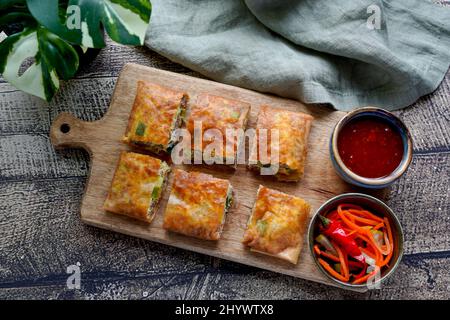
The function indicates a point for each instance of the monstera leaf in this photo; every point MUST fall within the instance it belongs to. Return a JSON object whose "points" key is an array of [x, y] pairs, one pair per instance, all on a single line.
{"points": [[34, 59], [44, 36], [51, 58], [82, 21]]}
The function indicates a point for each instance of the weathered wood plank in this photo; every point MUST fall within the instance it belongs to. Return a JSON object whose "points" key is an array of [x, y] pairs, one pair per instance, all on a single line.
{"points": [[416, 278], [41, 234], [20, 113], [421, 200], [209, 285], [429, 119], [419, 277], [33, 157], [184, 286]]}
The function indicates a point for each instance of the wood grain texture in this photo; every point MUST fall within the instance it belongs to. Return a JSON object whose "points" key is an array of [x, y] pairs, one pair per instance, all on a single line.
{"points": [[427, 217], [53, 242], [45, 162], [429, 119], [102, 140], [41, 233], [420, 279]]}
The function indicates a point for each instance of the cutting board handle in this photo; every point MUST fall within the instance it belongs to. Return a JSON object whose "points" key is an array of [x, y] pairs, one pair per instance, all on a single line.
{"points": [[68, 131]]}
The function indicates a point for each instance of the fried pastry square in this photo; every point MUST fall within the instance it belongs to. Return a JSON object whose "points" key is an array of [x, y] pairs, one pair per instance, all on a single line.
{"points": [[157, 112], [216, 115], [277, 224], [137, 186], [197, 205], [293, 130]]}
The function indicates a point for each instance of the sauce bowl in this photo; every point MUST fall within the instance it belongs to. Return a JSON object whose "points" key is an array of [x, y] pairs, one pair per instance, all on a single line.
{"points": [[372, 183], [377, 207]]}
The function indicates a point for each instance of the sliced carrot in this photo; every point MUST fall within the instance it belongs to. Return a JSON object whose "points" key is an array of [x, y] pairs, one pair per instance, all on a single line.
{"points": [[352, 264], [371, 251], [369, 222], [379, 226], [349, 223], [351, 206], [349, 231], [387, 246], [358, 222], [380, 249], [378, 256], [329, 256], [386, 260], [366, 214], [391, 240], [389, 230], [316, 249], [344, 266], [346, 263], [365, 278], [370, 254], [331, 270]]}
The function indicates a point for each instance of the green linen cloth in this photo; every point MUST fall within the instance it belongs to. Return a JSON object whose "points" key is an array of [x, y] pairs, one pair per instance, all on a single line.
{"points": [[316, 51]]}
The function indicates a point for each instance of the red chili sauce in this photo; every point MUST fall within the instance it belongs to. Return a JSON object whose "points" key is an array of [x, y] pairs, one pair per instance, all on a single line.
{"points": [[370, 147]]}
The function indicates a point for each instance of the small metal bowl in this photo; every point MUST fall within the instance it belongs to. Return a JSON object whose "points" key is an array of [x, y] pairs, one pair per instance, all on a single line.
{"points": [[371, 183], [377, 207]]}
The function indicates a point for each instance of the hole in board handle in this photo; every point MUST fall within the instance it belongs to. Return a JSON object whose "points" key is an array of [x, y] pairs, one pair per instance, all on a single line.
{"points": [[65, 128]]}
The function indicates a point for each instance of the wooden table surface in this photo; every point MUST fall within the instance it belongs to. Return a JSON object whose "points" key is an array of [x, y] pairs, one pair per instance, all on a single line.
{"points": [[41, 233]]}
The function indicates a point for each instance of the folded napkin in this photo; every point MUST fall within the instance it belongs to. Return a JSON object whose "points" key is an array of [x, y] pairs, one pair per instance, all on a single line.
{"points": [[349, 53]]}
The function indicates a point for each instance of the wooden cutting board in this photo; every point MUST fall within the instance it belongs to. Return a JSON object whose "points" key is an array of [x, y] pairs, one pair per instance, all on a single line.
{"points": [[102, 139]]}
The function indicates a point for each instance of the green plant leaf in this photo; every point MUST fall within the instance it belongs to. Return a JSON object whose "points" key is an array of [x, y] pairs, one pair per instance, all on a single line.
{"points": [[24, 18], [82, 21], [53, 57], [15, 12], [10, 3]]}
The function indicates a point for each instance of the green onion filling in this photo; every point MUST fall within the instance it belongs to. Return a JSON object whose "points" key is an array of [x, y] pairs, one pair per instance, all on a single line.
{"points": [[140, 129], [235, 115], [155, 193], [261, 226], [177, 121], [228, 202]]}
